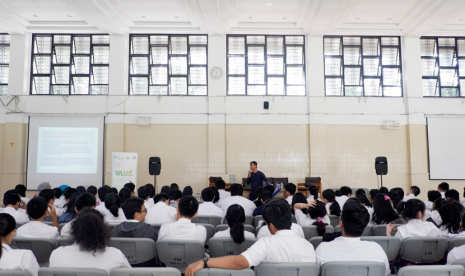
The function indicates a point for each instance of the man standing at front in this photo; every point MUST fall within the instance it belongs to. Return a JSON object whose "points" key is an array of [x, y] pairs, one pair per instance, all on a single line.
{"points": [[255, 178]]}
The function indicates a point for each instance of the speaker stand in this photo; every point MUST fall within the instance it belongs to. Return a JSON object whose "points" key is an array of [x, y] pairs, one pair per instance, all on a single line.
{"points": [[381, 181], [155, 183]]}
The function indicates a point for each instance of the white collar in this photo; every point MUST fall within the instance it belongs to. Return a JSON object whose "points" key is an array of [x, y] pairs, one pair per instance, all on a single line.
{"points": [[348, 239], [132, 220], [286, 232], [184, 220]]}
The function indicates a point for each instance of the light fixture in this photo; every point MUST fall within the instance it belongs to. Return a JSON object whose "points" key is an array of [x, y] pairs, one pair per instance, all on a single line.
{"points": [[176, 17], [250, 17], [357, 18], [143, 16], [35, 15], [69, 15], [269, 4], [389, 18]]}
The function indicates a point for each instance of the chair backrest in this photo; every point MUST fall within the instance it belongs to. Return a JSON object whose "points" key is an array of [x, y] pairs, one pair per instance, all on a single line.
{"points": [[210, 231], [64, 241], [310, 231], [223, 227], [41, 248], [423, 249], [225, 246], [436, 270], [350, 268], [157, 227], [280, 180], [257, 229], [380, 230], [213, 179], [213, 220], [334, 221], [456, 242], [60, 226], [223, 272], [315, 241], [458, 262], [50, 223], [312, 180], [286, 269], [10, 272], [138, 251], [256, 220], [58, 271], [179, 254], [148, 271], [244, 183], [390, 245], [48, 218]]}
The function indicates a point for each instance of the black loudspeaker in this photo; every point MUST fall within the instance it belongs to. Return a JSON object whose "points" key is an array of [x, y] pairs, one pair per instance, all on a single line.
{"points": [[266, 105], [381, 165], [154, 165]]}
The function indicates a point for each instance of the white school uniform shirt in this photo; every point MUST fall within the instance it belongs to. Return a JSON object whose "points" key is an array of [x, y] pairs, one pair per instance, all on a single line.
{"points": [[351, 249], [304, 220], [59, 203], [109, 218], [101, 208], [328, 206], [289, 199], [443, 194], [450, 236], [223, 194], [434, 215], [208, 208], [310, 198], [19, 217], [160, 213], [428, 205], [19, 259], [227, 233], [285, 246], [458, 253], [341, 200], [407, 197], [248, 205], [265, 232], [417, 228], [71, 256], [148, 203], [183, 229], [463, 203], [25, 199], [37, 229], [66, 229]]}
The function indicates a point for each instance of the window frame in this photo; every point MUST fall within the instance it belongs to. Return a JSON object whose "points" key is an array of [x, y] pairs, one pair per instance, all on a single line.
{"points": [[6, 64]]}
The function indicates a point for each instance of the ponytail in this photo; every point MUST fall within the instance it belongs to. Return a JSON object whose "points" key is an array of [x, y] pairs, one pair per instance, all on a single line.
{"points": [[330, 196], [314, 191], [320, 226], [7, 225], [411, 208], [113, 203], [335, 209], [317, 213], [235, 216], [237, 232]]}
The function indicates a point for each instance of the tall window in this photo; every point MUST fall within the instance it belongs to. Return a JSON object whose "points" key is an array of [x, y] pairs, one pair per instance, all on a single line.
{"points": [[64, 64], [443, 66], [4, 62], [266, 65], [362, 66], [168, 65]]}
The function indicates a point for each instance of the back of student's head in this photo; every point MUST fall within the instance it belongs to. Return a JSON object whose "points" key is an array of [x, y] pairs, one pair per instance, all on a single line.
{"points": [[337, 192], [208, 194], [71, 205], [81, 189], [92, 190], [345, 191], [161, 197], [217, 194], [373, 193], [114, 190], [384, 190], [278, 213], [85, 201], [165, 190], [452, 195], [317, 213], [130, 186], [396, 196], [299, 198], [68, 192], [235, 216], [174, 186], [290, 188], [268, 188], [360, 192], [433, 195], [383, 213], [438, 203], [330, 196], [187, 191], [220, 184], [313, 190], [237, 190], [450, 216], [21, 189], [443, 187], [11, 199], [90, 232], [411, 208], [7, 225], [415, 190], [364, 200], [124, 194], [151, 188], [265, 196], [58, 192], [36, 207], [102, 192], [188, 206], [143, 192], [113, 203], [175, 195], [48, 194], [354, 218], [131, 206]]}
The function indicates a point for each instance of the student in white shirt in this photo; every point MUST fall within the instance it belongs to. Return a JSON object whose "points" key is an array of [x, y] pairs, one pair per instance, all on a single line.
{"points": [[289, 191], [311, 193], [102, 193], [236, 218], [332, 206], [265, 232], [396, 195], [90, 248], [113, 212], [414, 212], [59, 202], [237, 198], [125, 194], [413, 192], [21, 189], [161, 212], [17, 259], [433, 215], [11, 202], [83, 201], [451, 219], [349, 247], [383, 212], [221, 186], [346, 193], [284, 246], [457, 253], [37, 209], [443, 188], [208, 208], [174, 196], [144, 193], [432, 196], [183, 228], [310, 214]]}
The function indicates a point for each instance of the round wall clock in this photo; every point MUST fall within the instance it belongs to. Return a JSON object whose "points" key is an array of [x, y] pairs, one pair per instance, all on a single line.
{"points": [[216, 73]]}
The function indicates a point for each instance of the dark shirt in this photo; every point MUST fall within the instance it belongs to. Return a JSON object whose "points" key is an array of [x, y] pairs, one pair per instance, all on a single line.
{"points": [[256, 180], [258, 211]]}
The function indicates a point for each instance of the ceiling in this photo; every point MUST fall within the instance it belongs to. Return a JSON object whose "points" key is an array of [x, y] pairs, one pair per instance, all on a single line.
{"points": [[216, 17]]}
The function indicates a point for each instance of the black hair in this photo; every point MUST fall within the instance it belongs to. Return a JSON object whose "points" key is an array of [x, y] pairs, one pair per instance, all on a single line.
{"points": [[354, 218], [71, 205], [453, 195], [450, 216], [113, 203], [254, 162], [383, 213], [411, 208], [265, 196], [258, 191], [175, 195], [290, 188], [68, 192], [360, 192], [160, 197], [174, 186], [11, 199], [268, 188], [319, 211], [102, 192], [188, 206], [92, 189], [187, 191], [36, 207], [165, 190], [459, 205], [444, 186], [278, 212], [235, 216], [415, 190], [130, 186], [438, 203], [90, 232], [85, 200], [364, 200], [124, 194], [208, 194], [152, 189], [396, 195], [433, 195], [217, 194], [313, 190], [12, 192], [337, 192], [330, 196], [237, 190], [131, 206], [299, 198], [21, 189], [81, 189], [7, 225], [373, 193], [114, 190], [220, 184], [345, 190], [58, 192], [384, 190], [143, 192], [48, 194]]}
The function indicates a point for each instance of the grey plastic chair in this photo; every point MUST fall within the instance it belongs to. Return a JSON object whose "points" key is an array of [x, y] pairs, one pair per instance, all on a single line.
{"points": [[64, 241], [310, 231], [180, 254], [249, 220], [390, 245], [380, 230], [213, 220], [366, 232], [284, 269], [157, 227], [294, 220], [149, 271], [460, 262], [365, 268], [334, 221], [315, 241], [210, 231], [424, 270], [225, 246], [256, 220], [9, 272], [50, 223], [224, 272], [60, 226], [247, 227], [456, 242], [257, 229], [423, 249], [139, 251], [58, 271], [40, 247]]}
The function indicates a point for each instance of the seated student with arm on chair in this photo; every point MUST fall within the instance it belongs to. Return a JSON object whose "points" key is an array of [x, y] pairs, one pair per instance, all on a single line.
{"points": [[11, 202], [161, 212], [83, 201], [288, 193], [208, 208], [237, 198], [332, 206], [284, 246], [314, 214], [37, 209]]}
